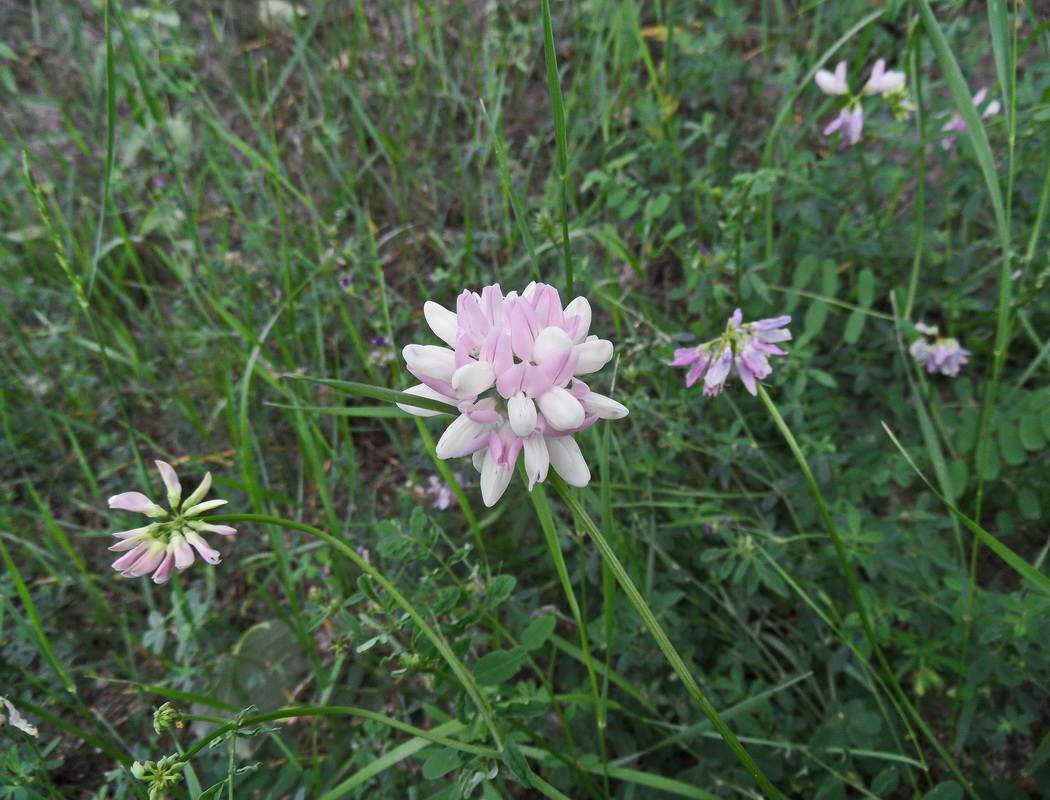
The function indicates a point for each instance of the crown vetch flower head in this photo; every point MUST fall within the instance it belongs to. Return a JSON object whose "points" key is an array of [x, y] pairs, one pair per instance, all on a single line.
{"points": [[168, 543], [851, 116], [956, 125], [512, 370], [944, 355], [743, 347]]}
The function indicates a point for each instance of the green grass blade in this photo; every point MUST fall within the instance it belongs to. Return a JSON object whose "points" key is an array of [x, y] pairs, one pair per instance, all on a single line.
{"points": [[1015, 561], [560, 138]]}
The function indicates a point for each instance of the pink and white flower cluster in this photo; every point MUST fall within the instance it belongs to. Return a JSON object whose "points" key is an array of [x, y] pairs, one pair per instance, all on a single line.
{"points": [[167, 544], [943, 355], [511, 369], [851, 117], [744, 348], [955, 124]]}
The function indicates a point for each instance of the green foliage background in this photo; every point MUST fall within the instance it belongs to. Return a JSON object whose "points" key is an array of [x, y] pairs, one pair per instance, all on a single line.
{"points": [[219, 202]]}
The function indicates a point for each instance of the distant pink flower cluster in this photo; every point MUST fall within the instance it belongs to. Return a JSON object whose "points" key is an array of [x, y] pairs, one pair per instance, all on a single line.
{"points": [[743, 347], [942, 354], [440, 492], [851, 117], [955, 124], [511, 369], [167, 544]]}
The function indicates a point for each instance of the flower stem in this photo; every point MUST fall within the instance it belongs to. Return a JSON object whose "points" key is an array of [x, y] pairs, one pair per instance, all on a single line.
{"points": [[336, 711], [662, 640], [550, 533]]}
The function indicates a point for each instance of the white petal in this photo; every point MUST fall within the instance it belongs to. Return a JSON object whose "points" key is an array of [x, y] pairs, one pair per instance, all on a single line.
{"points": [[994, 108], [561, 410], [594, 354], [537, 459], [582, 309], [604, 407], [494, 480], [200, 508], [171, 482], [522, 413], [425, 391], [16, 719], [833, 83], [431, 360], [222, 530], [458, 436], [442, 321], [199, 492], [551, 341], [567, 460], [136, 501], [472, 379]]}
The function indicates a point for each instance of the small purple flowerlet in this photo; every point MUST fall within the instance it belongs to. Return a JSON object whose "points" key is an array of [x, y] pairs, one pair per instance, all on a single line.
{"points": [[511, 370], [440, 493], [943, 354], [168, 544], [743, 347]]}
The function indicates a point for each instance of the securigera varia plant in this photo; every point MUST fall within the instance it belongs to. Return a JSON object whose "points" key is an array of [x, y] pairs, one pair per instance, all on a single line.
{"points": [[166, 545], [744, 348], [512, 369]]}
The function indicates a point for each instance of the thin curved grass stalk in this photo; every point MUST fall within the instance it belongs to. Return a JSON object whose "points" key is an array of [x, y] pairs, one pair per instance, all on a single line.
{"points": [[854, 589], [662, 640], [458, 668]]}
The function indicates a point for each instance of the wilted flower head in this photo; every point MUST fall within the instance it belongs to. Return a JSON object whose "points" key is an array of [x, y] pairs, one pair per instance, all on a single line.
{"points": [[166, 717], [511, 370], [851, 116], [167, 544], [15, 718], [743, 347], [159, 775], [943, 354], [956, 125]]}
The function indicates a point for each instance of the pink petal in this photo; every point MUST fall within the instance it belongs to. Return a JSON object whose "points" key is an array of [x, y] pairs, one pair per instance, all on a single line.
{"points": [[171, 482], [206, 553], [163, 573]]}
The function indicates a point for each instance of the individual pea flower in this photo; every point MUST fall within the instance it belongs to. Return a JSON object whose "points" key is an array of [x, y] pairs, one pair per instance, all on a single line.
{"points": [[14, 718], [511, 370], [944, 355], [851, 116], [382, 352], [440, 492], [159, 775], [743, 347], [167, 544], [955, 125]]}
